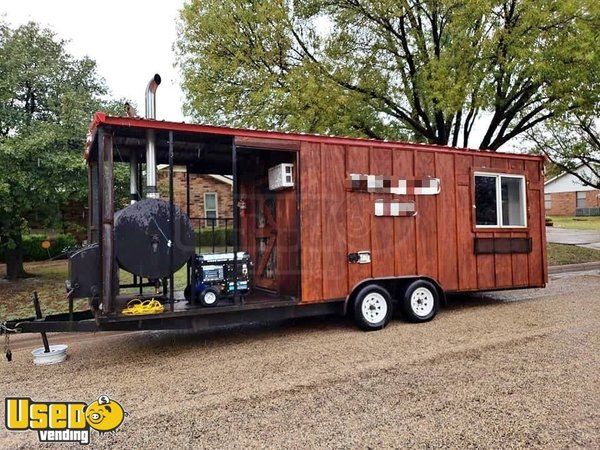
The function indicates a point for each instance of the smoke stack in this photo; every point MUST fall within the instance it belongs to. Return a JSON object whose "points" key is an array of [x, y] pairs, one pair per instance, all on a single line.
{"points": [[133, 176], [151, 97], [151, 191]]}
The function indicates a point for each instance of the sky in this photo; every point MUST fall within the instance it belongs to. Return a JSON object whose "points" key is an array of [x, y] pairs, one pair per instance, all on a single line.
{"points": [[130, 40]]}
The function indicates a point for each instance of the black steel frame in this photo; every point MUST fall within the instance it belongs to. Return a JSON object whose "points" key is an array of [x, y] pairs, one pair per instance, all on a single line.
{"points": [[226, 316], [172, 225]]}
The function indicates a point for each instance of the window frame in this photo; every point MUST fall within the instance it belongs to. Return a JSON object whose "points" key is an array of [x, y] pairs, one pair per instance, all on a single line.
{"points": [[577, 199], [547, 200], [216, 209], [498, 176]]}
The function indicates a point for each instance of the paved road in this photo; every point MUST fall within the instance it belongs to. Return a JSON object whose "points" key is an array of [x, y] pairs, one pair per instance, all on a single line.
{"points": [[583, 238], [502, 370]]}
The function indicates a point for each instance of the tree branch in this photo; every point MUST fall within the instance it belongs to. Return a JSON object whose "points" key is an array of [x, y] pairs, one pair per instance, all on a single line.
{"points": [[397, 111]]}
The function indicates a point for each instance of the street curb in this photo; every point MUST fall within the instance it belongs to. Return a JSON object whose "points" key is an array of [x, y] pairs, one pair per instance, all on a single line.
{"points": [[574, 267]]}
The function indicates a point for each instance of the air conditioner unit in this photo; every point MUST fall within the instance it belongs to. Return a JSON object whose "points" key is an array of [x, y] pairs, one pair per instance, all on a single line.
{"points": [[281, 177]]}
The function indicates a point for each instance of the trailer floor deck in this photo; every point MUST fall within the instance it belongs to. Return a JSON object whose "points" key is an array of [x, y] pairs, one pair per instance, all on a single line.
{"points": [[259, 307], [257, 299]]}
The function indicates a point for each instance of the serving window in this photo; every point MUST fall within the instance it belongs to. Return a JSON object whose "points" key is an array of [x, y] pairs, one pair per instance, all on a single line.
{"points": [[500, 201]]}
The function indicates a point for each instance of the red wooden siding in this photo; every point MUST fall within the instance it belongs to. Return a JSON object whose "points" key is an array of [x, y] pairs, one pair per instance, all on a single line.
{"points": [[535, 208], [446, 221], [359, 229], [382, 228], [333, 221], [310, 228], [426, 235], [467, 262], [437, 242], [405, 252]]}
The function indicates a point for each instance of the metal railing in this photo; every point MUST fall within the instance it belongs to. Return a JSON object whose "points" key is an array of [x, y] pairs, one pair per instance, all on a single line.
{"points": [[219, 230]]}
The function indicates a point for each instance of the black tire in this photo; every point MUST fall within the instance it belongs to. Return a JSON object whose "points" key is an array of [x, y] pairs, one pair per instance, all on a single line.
{"points": [[209, 297], [421, 301], [372, 307]]}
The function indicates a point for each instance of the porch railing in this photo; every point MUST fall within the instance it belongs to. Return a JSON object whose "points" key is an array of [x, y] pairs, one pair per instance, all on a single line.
{"points": [[214, 234]]}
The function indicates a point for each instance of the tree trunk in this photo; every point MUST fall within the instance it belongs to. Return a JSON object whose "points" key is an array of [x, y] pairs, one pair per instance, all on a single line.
{"points": [[14, 259]]}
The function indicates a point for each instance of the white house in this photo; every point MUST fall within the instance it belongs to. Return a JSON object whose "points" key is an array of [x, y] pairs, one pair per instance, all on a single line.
{"points": [[565, 193]]}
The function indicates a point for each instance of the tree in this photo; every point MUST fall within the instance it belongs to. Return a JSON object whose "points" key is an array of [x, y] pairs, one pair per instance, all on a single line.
{"points": [[424, 69], [46, 100], [572, 142]]}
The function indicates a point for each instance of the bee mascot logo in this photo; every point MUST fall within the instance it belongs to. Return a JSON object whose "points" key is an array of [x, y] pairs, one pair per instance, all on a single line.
{"points": [[64, 421]]}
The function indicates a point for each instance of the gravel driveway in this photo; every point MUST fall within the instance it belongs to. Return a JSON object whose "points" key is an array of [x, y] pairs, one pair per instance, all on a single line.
{"points": [[506, 370]]}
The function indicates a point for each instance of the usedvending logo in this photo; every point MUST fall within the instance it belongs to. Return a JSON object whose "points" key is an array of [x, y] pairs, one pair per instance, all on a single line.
{"points": [[63, 421]]}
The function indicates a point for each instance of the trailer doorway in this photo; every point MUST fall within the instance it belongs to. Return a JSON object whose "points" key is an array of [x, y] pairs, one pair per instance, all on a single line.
{"points": [[269, 223], [264, 221]]}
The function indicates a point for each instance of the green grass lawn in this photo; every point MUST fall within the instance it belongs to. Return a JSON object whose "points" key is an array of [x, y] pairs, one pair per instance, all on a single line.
{"points": [[48, 279], [577, 223], [560, 254]]}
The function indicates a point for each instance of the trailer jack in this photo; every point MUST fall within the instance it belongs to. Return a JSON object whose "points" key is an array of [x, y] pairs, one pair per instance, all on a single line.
{"points": [[48, 354], [38, 315], [7, 330]]}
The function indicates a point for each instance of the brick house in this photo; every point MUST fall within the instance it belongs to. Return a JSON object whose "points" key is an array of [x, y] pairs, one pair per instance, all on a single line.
{"points": [[565, 193], [211, 196]]}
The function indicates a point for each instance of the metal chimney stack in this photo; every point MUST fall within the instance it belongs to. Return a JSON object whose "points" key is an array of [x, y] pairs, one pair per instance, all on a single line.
{"points": [[151, 191], [133, 176]]}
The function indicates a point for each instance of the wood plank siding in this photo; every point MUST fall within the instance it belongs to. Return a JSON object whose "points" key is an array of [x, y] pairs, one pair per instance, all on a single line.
{"points": [[438, 242]]}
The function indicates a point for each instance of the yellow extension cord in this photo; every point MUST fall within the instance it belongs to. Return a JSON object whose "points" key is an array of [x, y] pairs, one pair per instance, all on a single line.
{"points": [[136, 307]]}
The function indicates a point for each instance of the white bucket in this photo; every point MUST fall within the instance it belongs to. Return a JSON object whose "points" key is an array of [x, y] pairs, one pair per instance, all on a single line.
{"points": [[57, 354]]}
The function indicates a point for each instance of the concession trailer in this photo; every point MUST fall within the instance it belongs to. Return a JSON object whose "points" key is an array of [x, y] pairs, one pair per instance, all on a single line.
{"points": [[319, 225]]}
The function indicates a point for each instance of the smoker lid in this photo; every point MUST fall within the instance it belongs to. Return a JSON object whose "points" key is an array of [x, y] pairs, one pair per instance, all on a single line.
{"points": [[142, 239]]}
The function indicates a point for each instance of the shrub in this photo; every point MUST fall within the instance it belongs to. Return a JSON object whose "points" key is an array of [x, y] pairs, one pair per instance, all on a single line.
{"points": [[33, 251], [204, 237]]}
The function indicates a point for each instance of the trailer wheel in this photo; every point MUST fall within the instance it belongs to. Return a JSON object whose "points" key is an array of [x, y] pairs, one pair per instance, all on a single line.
{"points": [[421, 301], [372, 307], [209, 297]]}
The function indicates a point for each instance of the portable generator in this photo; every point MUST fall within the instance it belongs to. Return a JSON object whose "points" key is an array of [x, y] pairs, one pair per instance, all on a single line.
{"points": [[213, 277]]}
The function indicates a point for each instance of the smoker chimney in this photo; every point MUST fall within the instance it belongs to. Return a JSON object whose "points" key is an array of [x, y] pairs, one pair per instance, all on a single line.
{"points": [[151, 97], [151, 191], [133, 176]]}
